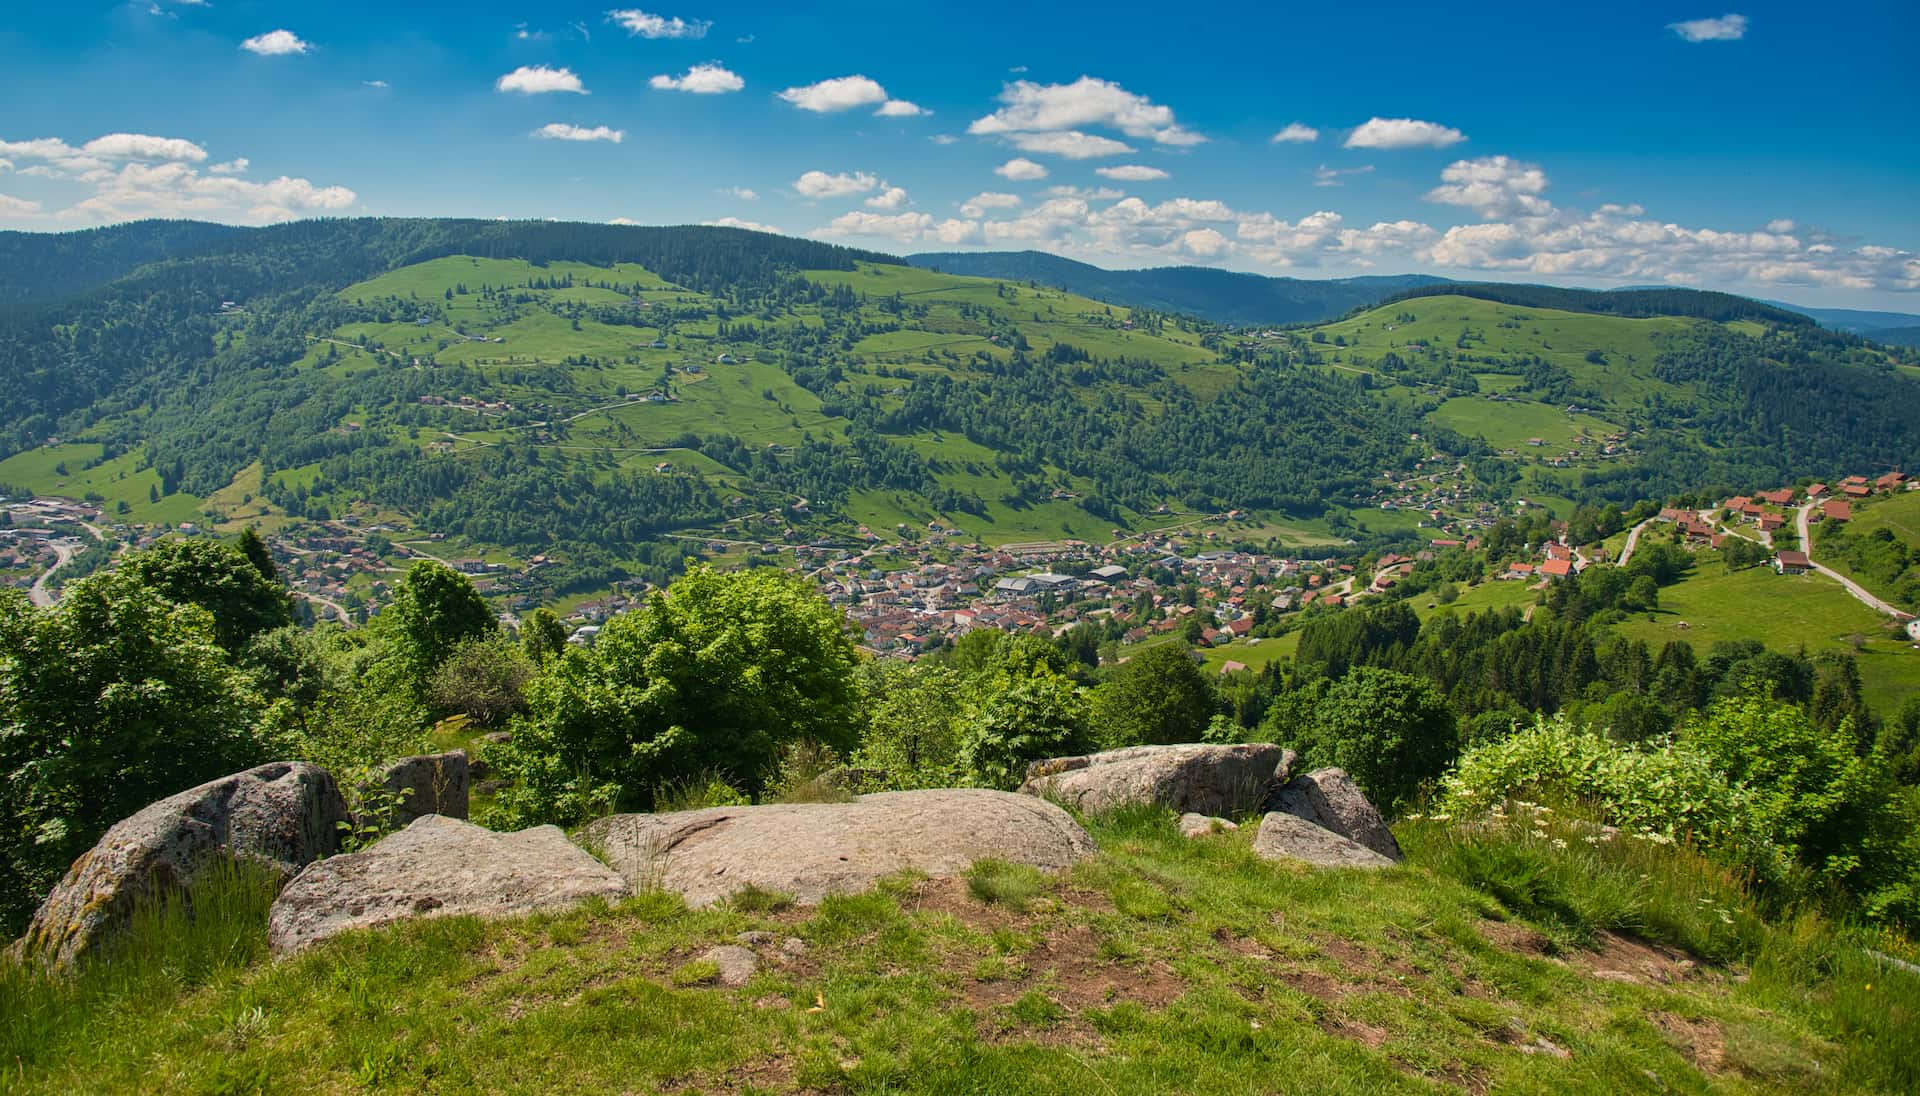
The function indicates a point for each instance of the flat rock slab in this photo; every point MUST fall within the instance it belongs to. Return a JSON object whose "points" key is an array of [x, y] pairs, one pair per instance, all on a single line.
{"points": [[812, 850], [437, 867], [1196, 777], [1330, 799], [1284, 836], [735, 963], [283, 816]]}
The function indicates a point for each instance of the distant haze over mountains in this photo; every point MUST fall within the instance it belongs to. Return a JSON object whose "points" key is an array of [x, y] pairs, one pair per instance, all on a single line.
{"points": [[1225, 296]]}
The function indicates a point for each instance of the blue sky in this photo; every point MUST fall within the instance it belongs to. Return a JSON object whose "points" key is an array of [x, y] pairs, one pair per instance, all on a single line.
{"points": [[1765, 148]]}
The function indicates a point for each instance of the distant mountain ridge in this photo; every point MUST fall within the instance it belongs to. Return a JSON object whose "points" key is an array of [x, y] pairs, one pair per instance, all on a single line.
{"points": [[1223, 296]]}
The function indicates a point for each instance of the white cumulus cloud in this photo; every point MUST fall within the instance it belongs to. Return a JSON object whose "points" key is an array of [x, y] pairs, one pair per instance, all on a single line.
{"points": [[140, 146], [1726, 28], [837, 94], [900, 108], [17, 207], [1494, 186], [1131, 173], [1395, 133], [1296, 133], [706, 79], [819, 184], [751, 226], [276, 43], [236, 166], [979, 204], [1020, 170], [745, 194], [889, 198], [1071, 143], [540, 79], [561, 131], [904, 227], [647, 25], [1029, 107]]}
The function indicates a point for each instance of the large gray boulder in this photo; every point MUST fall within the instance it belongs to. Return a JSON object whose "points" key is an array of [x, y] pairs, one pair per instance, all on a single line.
{"points": [[811, 850], [1196, 777], [437, 867], [1288, 837], [1330, 799], [283, 815], [427, 784]]}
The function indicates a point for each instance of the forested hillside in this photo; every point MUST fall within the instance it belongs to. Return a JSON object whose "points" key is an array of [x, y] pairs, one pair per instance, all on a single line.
{"points": [[592, 393]]}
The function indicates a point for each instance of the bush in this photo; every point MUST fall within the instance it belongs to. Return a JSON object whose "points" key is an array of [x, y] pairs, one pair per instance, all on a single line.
{"points": [[1158, 696], [1390, 731], [914, 716], [109, 700], [484, 679], [718, 672], [1019, 721]]}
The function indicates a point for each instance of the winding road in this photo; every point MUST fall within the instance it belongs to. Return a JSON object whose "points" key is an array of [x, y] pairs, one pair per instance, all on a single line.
{"points": [[1859, 592], [39, 594], [1633, 541]]}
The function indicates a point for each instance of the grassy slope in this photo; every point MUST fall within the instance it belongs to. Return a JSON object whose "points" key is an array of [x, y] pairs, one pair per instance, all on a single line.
{"points": [[1899, 513], [1785, 612], [1161, 965]]}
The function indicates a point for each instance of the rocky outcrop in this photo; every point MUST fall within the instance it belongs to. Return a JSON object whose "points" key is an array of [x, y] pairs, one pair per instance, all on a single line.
{"points": [[1330, 799], [811, 850], [427, 784], [284, 815], [1200, 778], [1288, 837], [437, 867]]}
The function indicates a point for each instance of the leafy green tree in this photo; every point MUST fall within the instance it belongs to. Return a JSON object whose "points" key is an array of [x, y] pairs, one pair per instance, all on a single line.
{"points": [[434, 610], [219, 579], [484, 679], [109, 700], [542, 635], [717, 672], [914, 716], [1390, 731], [1157, 696], [1018, 719], [255, 549]]}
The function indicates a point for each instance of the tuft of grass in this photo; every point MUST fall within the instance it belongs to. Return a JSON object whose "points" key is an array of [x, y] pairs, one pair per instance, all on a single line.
{"points": [[698, 972], [174, 944], [756, 899], [997, 882], [708, 788]]}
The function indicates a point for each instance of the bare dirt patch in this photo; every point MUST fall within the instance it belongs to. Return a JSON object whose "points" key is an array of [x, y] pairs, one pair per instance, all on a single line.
{"points": [[1516, 938], [1619, 958], [1700, 1042]]}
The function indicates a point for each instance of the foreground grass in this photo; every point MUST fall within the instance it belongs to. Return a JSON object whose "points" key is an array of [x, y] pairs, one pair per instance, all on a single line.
{"points": [[1494, 960]]}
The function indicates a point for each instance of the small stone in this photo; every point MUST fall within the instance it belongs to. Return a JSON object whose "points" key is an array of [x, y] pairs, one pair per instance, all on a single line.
{"points": [[793, 947], [754, 938], [1541, 1045], [736, 963], [1201, 825], [497, 738]]}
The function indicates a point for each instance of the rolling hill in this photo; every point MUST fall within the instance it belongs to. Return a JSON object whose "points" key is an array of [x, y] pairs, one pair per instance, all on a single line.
{"points": [[1221, 296], [615, 398]]}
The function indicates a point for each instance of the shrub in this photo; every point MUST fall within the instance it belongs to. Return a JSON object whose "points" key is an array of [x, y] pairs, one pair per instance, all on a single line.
{"points": [[914, 717], [1022, 720], [1157, 696], [716, 673], [1390, 731], [484, 679]]}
